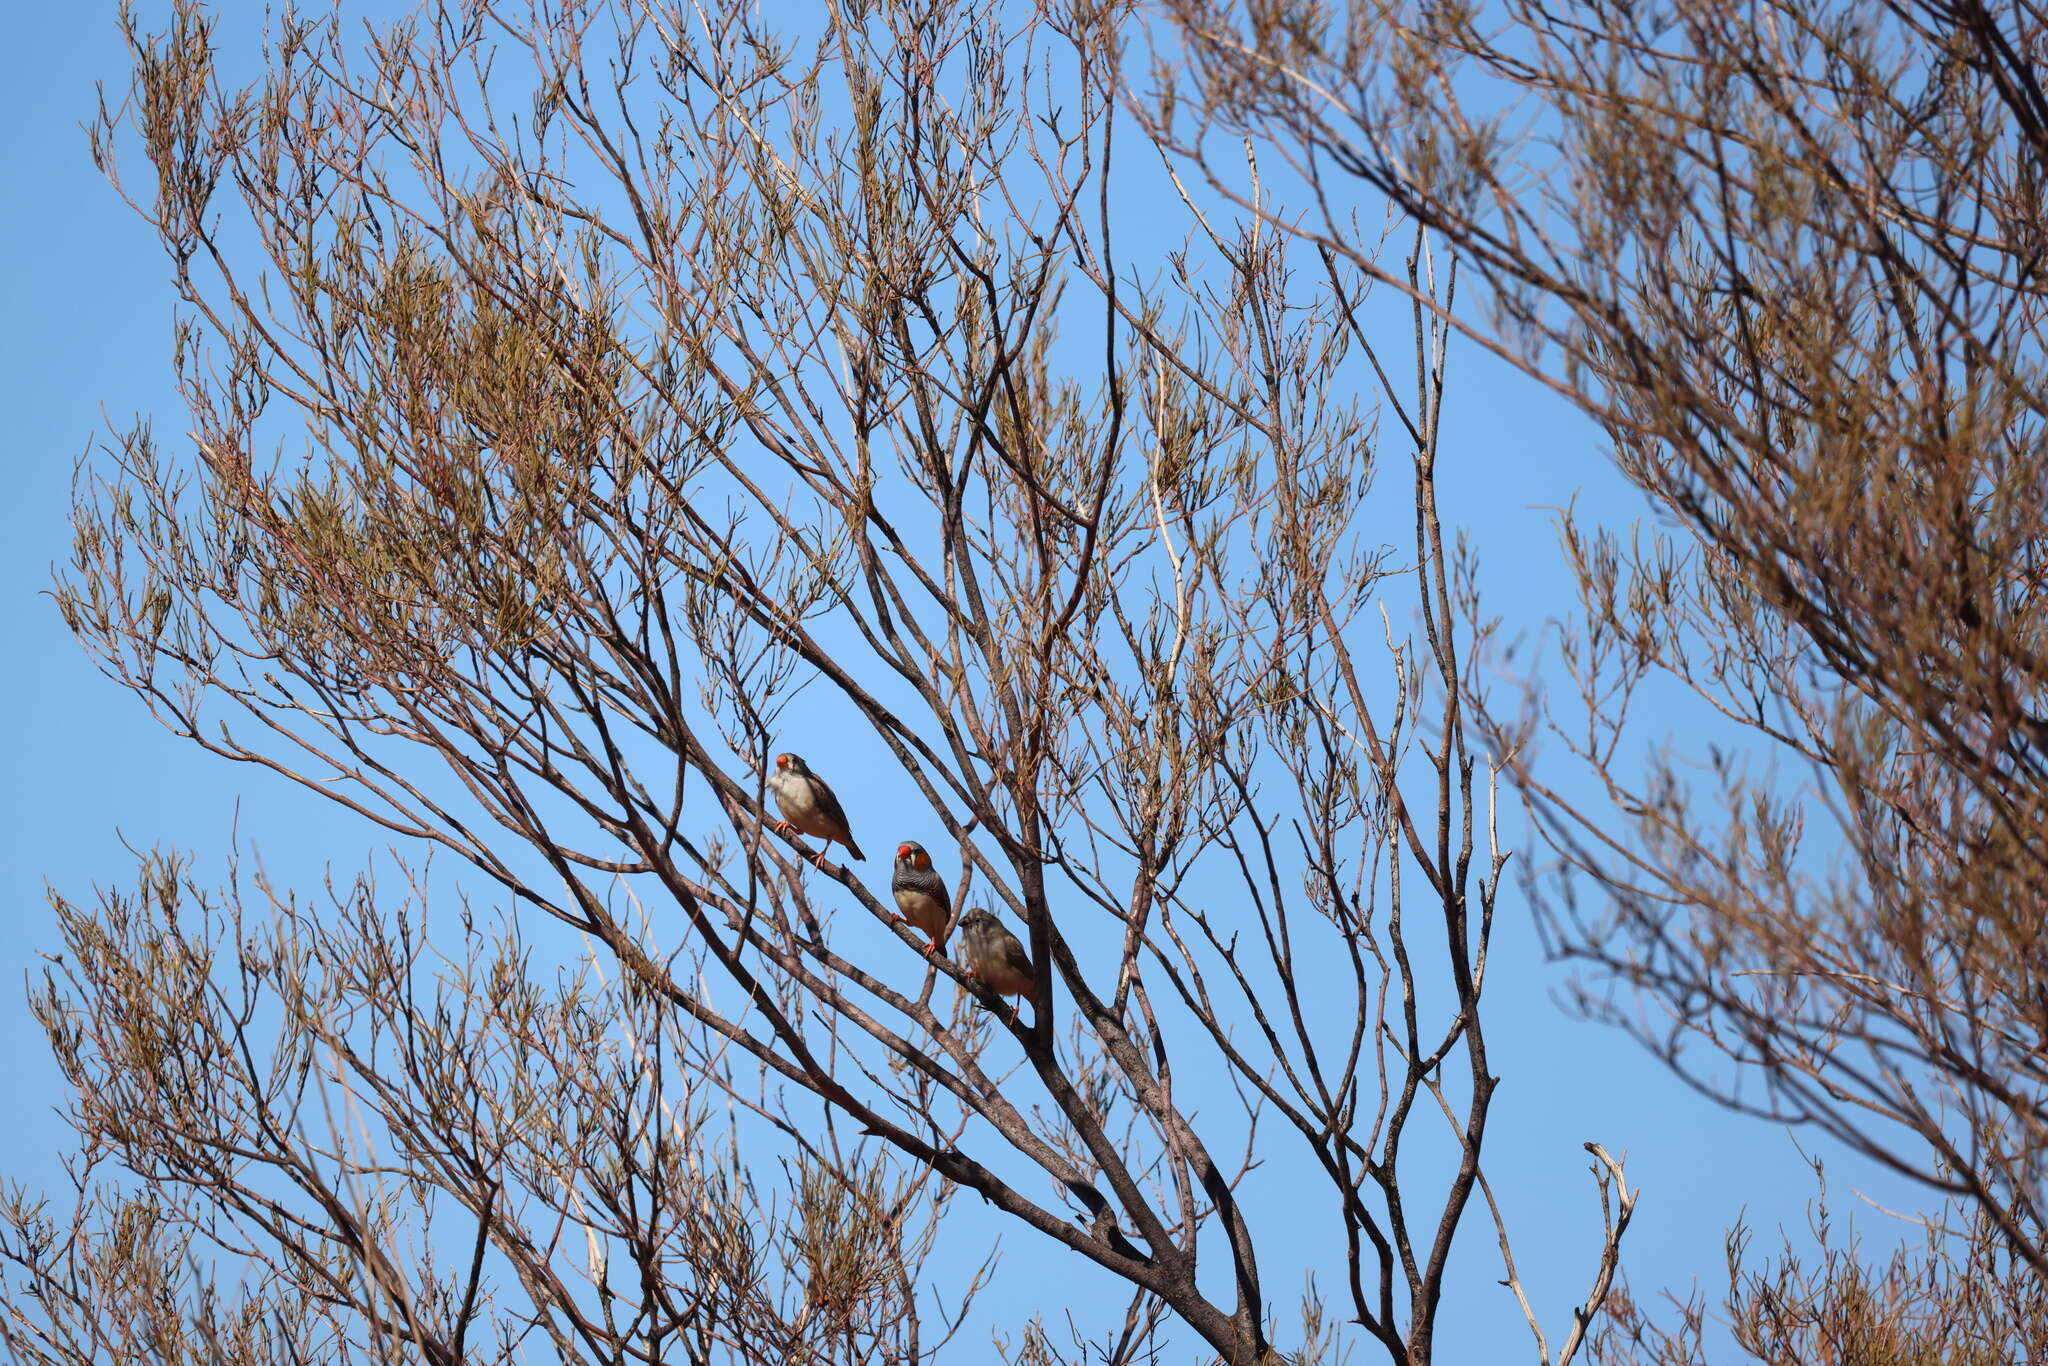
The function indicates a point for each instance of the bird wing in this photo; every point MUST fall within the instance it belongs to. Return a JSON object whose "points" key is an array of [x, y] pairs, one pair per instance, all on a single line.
{"points": [[828, 806], [1015, 956]]}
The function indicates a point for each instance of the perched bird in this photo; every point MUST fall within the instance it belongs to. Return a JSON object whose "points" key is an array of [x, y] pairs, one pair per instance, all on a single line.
{"points": [[808, 806], [921, 893], [992, 955]]}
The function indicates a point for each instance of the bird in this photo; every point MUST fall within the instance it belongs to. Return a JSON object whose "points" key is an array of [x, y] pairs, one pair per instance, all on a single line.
{"points": [[808, 806], [921, 893], [993, 957]]}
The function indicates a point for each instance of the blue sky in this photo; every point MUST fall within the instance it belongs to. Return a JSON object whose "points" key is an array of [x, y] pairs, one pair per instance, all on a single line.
{"points": [[86, 342]]}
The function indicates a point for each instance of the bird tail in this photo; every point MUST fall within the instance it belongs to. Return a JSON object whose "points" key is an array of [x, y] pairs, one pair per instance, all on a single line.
{"points": [[854, 849]]}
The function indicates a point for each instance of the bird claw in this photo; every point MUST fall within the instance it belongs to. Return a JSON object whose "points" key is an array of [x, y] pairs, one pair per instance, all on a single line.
{"points": [[1001, 1007], [930, 950]]}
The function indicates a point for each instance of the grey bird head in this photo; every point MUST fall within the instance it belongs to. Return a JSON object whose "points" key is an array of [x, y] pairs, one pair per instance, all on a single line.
{"points": [[911, 855], [790, 763]]}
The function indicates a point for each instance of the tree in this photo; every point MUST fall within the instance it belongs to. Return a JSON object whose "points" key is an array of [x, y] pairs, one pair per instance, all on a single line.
{"points": [[566, 445], [302, 1094], [1953, 1296], [1789, 258]]}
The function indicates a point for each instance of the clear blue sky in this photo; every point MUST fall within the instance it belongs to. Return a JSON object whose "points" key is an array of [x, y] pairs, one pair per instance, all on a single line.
{"points": [[86, 341]]}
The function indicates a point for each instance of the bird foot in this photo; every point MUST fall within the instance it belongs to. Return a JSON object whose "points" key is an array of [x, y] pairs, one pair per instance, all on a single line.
{"points": [[1001, 1007], [928, 950]]}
